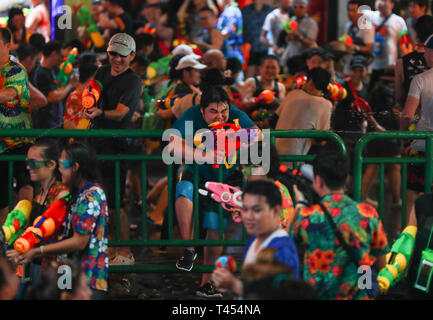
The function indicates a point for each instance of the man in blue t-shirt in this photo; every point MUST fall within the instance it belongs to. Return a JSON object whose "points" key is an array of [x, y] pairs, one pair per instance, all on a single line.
{"points": [[214, 106]]}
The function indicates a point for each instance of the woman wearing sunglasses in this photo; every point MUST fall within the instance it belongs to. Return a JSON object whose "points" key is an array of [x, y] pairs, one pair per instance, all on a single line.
{"points": [[42, 163], [86, 225]]}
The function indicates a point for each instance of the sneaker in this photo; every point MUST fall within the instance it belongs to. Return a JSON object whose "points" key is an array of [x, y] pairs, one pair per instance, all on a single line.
{"points": [[208, 290], [186, 262]]}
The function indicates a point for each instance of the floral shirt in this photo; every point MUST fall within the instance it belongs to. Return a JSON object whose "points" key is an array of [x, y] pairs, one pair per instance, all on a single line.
{"points": [[287, 209], [14, 114], [327, 266], [73, 107], [89, 217]]}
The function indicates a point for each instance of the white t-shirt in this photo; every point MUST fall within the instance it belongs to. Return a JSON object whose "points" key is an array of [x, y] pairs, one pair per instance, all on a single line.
{"points": [[251, 255], [272, 26], [421, 88], [366, 35], [394, 25]]}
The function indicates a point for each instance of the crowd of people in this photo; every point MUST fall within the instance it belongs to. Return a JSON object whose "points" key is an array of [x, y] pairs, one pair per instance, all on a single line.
{"points": [[257, 65]]}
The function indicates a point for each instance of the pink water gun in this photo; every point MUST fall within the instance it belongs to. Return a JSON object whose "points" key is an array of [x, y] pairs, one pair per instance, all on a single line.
{"points": [[224, 194]]}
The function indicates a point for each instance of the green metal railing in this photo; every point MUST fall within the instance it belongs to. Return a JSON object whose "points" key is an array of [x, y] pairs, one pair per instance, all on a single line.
{"points": [[144, 159], [359, 160]]}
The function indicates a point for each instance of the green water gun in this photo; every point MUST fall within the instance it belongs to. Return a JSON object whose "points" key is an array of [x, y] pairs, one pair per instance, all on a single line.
{"points": [[159, 68], [15, 222], [87, 21], [398, 259], [66, 69]]}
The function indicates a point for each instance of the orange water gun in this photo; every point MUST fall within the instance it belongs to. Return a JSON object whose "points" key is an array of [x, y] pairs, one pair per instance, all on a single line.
{"points": [[43, 227], [289, 25], [337, 91], [405, 43], [89, 99], [265, 97]]}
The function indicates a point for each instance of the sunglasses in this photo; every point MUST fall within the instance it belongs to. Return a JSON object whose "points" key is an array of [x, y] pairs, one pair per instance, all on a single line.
{"points": [[34, 164], [65, 164], [115, 54]]}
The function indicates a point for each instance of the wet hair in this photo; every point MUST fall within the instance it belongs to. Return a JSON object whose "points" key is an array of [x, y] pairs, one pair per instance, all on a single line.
{"points": [[214, 94], [320, 78], [6, 35], [269, 57], [266, 189], [424, 27], [143, 40], [51, 47], [87, 66], [207, 9], [333, 167], [12, 13], [175, 74], [37, 41], [357, 2], [50, 149], [213, 77], [75, 43], [85, 156], [234, 65], [25, 50]]}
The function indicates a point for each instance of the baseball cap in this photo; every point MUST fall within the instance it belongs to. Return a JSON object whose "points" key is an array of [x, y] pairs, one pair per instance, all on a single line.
{"points": [[358, 61], [184, 49], [429, 42], [189, 62], [121, 43]]}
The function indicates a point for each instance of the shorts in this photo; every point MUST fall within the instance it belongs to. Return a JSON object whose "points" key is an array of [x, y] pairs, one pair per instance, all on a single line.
{"points": [[416, 177], [256, 58], [210, 213], [21, 175], [384, 148]]}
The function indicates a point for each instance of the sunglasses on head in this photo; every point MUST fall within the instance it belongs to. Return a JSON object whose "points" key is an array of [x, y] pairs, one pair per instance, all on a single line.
{"points": [[65, 164], [115, 54], [34, 164]]}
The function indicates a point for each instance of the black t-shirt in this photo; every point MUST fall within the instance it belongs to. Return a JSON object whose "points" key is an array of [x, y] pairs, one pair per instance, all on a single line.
{"points": [[345, 118], [124, 88], [50, 116]]}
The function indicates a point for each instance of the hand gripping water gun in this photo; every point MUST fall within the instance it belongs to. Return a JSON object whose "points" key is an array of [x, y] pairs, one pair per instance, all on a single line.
{"points": [[405, 43], [149, 28], [15, 222], [346, 39], [87, 21], [226, 262], [89, 99], [167, 102], [299, 81], [265, 97], [224, 194], [337, 91], [66, 68], [159, 68], [44, 226], [260, 115], [398, 259], [289, 25]]}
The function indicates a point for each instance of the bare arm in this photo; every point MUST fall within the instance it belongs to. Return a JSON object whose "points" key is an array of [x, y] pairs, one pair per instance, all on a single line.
{"points": [[398, 83], [408, 113], [117, 114], [217, 41], [37, 98], [181, 13], [247, 90], [7, 94]]}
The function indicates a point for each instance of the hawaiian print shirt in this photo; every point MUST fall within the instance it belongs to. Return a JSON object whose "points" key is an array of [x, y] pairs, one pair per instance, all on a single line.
{"points": [[14, 114], [327, 266], [89, 217], [287, 209], [230, 22]]}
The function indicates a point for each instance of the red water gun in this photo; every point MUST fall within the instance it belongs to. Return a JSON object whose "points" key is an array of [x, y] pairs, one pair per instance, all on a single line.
{"points": [[359, 104], [337, 91], [299, 81], [228, 196], [89, 99], [219, 131], [346, 39], [226, 262], [405, 43], [43, 227]]}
